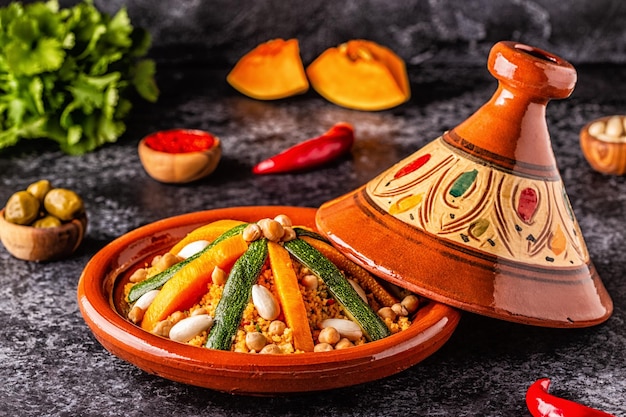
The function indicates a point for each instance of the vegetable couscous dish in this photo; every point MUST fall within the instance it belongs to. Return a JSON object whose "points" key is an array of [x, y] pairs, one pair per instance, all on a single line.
{"points": [[264, 287]]}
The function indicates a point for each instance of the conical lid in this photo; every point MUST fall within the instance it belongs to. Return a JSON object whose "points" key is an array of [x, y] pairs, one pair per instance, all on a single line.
{"points": [[479, 218]]}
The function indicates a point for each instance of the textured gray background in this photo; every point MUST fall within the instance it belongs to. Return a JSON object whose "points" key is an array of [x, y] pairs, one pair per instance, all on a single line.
{"points": [[220, 31], [51, 365]]}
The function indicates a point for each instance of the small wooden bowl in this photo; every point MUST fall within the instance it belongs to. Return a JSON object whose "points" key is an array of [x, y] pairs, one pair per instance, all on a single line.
{"points": [[42, 244], [605, 152], [180, 168], [100, 298]]}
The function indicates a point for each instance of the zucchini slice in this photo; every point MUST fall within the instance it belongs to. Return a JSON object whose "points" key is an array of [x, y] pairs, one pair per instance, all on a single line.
{"points": [[236, 295], [300, 231], [372, 325]]}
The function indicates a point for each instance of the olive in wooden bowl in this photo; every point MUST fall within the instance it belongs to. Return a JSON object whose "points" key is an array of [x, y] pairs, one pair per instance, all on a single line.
{"points": [[179, 155], [43, 223]]}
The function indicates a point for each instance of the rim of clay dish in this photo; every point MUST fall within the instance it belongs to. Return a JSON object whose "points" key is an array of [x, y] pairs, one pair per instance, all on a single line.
{"points": [[242, 373]]}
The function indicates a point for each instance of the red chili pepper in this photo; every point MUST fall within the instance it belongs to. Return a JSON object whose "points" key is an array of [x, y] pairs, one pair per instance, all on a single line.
{"points": [[310, 153], [542, 404]]}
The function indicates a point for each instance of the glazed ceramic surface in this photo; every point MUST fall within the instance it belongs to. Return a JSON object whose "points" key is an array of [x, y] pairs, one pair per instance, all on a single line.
{"points": [[100, 298], [42, 244], [479, 218], [603, 143]]}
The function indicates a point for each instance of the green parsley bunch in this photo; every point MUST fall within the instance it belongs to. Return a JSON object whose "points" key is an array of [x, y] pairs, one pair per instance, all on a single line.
{"points": [[65, 74]]}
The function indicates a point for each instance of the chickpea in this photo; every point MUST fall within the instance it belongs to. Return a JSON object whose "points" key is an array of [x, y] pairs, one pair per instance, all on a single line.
{"points": [[323, 347], [411, 303], [329, 335], [255, 341], [252, 232], [387, 313], [163, 328], [271, 349], [399, 309], [135, 314], [199, 311], [284, 220], [310, 282], [165, 261], [271, 229], [139, 275], [289, 234], [177, 316], [219, 276], [344, 343], [277, 327]]}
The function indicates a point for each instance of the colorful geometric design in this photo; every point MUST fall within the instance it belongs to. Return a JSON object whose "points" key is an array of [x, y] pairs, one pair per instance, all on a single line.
{"points": [[445, 192]]}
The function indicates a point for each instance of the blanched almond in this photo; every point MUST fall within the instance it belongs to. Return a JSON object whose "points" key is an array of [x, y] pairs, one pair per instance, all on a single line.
{"points": [[192, 248], [188, 328], [264, 302]]}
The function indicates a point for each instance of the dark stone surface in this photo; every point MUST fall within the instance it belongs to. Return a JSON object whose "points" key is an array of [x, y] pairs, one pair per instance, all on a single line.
{"points": [[50, 363], [220, 31], [581, 31]]}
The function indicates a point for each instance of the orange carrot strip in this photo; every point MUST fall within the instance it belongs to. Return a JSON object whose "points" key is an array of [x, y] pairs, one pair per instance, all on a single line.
{"points": [[290, 296], [208, 232], [360, 275], [190, 283]]}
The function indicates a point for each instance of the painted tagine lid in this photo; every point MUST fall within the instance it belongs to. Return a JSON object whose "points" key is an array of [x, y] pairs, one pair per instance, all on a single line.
{"points": [[479, 218]]}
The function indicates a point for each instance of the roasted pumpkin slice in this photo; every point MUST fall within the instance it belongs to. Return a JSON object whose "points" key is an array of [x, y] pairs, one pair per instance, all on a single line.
{"points": [[272, 70], [361, 75]]}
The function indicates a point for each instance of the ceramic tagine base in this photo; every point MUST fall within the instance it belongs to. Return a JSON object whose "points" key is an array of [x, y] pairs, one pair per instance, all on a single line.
{"points": [[479, 218]]}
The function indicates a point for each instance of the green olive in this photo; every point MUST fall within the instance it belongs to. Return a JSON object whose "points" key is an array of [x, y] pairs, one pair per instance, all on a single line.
{"points": [[47, 221], [64, 204], [22, 208], [39, 189]]}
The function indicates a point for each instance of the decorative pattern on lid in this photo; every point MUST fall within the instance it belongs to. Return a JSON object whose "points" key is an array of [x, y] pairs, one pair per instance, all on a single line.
{"points": [[482, 207]]}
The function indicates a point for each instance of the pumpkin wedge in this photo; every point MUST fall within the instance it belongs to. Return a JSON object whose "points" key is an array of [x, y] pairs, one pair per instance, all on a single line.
{"points": [[272, 70], [188, 285], [360, 75], [208, 232]]}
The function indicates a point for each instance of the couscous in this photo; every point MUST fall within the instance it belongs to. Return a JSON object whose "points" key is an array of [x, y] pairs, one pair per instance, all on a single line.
{"points": [[264, 287]]}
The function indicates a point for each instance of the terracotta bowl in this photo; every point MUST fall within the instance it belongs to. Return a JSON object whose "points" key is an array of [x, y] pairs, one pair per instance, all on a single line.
{"points": [[603, 142], [100, 297], [180, 167], [42, 244]]}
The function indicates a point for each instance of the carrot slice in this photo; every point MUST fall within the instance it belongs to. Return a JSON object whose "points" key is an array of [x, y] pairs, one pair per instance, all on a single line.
{"points": [[360, 275], [190, 283], [290, 297], [208, 232]]}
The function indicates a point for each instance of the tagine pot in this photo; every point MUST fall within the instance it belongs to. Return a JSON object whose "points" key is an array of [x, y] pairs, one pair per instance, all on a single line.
{"points": [[479, 218]]}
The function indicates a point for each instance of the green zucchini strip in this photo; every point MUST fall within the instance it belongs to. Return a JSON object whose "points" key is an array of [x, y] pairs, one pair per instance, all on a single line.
{"points": [[372, 325], [158, 280], [306, 232], [236, 295]]}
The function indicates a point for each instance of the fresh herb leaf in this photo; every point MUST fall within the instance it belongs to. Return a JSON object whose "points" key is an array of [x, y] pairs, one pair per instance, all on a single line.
{"points": [[67, 74]]}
